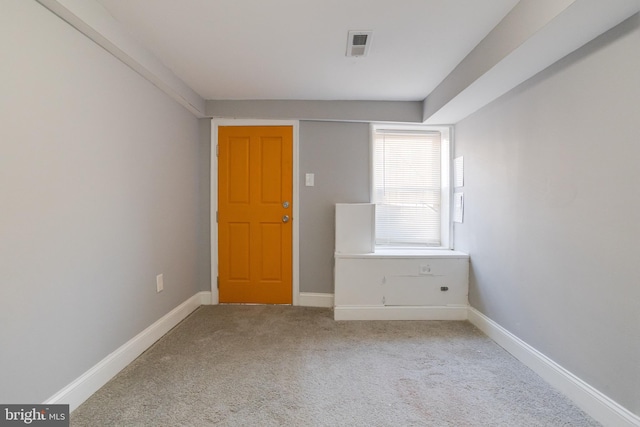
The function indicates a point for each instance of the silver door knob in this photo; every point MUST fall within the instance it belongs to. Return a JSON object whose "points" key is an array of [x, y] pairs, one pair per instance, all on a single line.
{"points": [[285, 218]]}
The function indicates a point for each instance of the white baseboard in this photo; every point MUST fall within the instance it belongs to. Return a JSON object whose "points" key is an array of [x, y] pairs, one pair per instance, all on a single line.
{"points": [[400, 313], [593, 402], [89, 382], [206, 298], [312, 299]]}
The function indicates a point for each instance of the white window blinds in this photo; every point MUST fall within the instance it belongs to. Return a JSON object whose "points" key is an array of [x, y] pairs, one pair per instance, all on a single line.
{"points": [[407, 187]]}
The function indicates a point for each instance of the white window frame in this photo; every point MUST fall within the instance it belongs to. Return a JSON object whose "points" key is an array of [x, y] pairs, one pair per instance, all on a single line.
{"points": [[446, 150]]}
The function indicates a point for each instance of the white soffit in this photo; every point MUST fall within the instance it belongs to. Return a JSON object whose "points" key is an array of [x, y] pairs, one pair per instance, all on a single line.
{"points": [[573, 27]]}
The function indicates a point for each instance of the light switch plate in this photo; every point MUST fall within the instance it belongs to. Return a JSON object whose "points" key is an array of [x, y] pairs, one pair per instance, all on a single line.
{"points": [[309, 180]]}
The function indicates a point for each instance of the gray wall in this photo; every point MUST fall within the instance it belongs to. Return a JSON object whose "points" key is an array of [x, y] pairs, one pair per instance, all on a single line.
{"points": [[551, 210], [338, 155], [99, 192]]}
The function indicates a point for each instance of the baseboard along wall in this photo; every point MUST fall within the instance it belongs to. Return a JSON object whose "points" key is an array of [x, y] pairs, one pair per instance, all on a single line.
{"points": [[599, 406], [88, 383], [400, 313], [313, 299]]}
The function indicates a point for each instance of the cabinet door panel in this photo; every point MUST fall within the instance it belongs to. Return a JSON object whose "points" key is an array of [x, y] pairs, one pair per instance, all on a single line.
{"points": [[357, 282]]}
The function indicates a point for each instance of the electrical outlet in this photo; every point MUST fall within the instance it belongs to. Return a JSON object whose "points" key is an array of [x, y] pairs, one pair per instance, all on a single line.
{"points": [[159, 283], [425, 269]]}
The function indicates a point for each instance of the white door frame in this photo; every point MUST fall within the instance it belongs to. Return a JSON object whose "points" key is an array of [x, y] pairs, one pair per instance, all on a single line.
{"points": [[295, 291]]}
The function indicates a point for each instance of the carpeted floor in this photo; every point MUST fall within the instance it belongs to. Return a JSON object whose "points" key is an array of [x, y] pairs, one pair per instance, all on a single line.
{"points": [[295, 366]]}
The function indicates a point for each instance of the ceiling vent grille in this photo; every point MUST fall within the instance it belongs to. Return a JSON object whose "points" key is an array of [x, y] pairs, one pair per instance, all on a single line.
{"points": [[358, 43]]}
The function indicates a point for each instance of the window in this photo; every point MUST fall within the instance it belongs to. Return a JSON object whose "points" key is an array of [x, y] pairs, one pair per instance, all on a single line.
{"points": [[411, 185]]}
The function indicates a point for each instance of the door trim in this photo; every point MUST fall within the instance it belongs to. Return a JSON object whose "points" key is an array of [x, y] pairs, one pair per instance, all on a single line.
{"points": [[295, 291]]}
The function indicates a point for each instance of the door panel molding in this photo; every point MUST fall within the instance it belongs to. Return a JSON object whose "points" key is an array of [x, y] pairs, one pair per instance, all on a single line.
{"points": [[215, 123]]}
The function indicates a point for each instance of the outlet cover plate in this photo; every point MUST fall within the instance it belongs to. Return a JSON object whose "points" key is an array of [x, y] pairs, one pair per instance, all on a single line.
{"points": [[159, 283]]}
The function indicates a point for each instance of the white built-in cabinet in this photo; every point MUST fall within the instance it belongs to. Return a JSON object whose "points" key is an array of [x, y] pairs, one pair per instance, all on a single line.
{"points": [[400, 284]]}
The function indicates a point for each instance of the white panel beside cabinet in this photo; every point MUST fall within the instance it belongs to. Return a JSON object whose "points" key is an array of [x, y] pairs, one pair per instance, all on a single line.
{"points": [[355, 227], [402, 285]]}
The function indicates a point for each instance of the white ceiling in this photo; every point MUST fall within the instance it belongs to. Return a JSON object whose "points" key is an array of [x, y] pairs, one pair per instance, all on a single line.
{"points": [[295, 49]]}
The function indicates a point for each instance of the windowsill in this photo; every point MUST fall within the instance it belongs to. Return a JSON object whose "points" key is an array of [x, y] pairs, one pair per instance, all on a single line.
{"points": [[381, 252]]}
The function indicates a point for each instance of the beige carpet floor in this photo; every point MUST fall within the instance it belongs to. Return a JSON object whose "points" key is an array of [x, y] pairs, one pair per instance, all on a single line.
{"points": [[293, 366]]}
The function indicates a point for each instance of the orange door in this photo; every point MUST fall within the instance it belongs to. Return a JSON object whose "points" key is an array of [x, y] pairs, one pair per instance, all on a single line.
{"points": [[255, 187]]}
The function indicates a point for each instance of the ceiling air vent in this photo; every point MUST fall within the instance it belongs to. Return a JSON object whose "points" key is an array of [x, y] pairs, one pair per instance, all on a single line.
{"points": [[358, 43]]}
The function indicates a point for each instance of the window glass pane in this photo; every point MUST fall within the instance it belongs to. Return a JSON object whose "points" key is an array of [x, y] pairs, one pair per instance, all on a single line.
{"points": [[407, 187]]}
